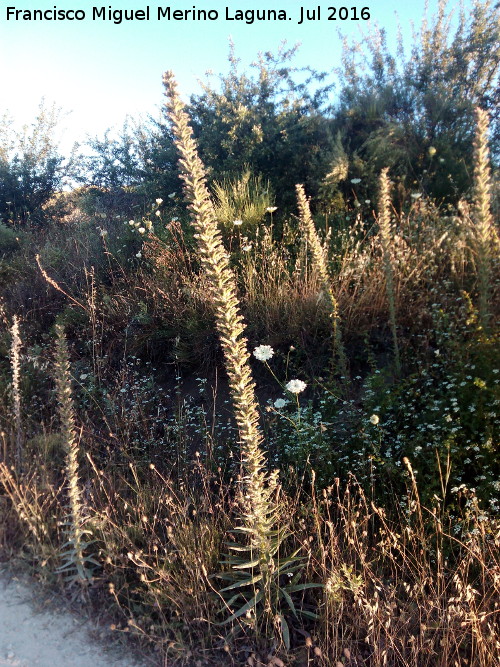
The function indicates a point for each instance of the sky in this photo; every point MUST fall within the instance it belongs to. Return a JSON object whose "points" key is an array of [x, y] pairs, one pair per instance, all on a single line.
{"points": [[98, 71]]}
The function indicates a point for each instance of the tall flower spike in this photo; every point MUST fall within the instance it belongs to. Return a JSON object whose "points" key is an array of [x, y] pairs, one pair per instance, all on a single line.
{"points": [[229, 320], [15, 349], [74, 560], [485, 233], [319, 261], [384, 223]]}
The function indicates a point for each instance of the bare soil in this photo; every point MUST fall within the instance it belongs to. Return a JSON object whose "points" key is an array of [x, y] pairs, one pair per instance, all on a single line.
{"points": [[34, 633]]}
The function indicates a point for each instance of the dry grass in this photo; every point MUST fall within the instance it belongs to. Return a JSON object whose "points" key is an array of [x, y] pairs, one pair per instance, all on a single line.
{"points": [[359, 573]]}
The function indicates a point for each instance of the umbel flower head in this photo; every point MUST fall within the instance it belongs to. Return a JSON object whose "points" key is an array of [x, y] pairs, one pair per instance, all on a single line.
{"points": [[296, 386], [263, 352]]}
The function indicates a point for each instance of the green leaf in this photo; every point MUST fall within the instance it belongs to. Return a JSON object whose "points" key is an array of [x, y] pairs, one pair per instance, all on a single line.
{"points": [[251, 603], [237, 547], [289, 601], [308, 614], [245, 582], [303, 587], [245, 566], [285, 631]]}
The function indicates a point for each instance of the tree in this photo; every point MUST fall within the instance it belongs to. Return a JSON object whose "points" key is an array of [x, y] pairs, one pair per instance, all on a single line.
{"points": [[267, 122], [138, 166], [415, 113], [31, 169]]}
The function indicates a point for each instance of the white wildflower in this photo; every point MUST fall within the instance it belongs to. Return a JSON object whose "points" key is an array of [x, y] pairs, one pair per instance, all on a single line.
{"points": [[374, 419], [296, 386], [141, 230], [237, 223], [159, 201], [271, 209], [263, 352]]}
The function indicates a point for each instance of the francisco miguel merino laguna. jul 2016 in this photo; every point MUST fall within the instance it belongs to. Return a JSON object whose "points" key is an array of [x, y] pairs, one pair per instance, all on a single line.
{"points": [[249, 16]]}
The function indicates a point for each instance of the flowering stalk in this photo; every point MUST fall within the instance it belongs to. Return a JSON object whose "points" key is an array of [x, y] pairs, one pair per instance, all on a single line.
{"points": [[384, 223], [73, 557], [319, 262], [16, 393], [484, 229], [258, 509]]}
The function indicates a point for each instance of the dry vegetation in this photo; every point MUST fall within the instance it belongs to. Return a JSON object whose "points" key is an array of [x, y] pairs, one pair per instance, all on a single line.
{"points": [[134, 474]]}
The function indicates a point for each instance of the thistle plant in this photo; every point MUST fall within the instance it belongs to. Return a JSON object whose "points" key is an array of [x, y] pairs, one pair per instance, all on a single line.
{"points": [[75, 562], [15, 349], [384, 222], [483, 219], [319, 261], [258, 509]]}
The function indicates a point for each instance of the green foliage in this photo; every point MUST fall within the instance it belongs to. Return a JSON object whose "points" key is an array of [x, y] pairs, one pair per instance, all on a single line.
{"points": [[414, 112], [132, 168], [411, 111], [449, 409], [423, 443], [8, 240], [31, 169], [263, 591], [267, 122], [242, 202]]}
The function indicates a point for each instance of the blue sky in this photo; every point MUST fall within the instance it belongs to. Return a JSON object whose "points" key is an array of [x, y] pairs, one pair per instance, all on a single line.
{"points": [[99, 72]]}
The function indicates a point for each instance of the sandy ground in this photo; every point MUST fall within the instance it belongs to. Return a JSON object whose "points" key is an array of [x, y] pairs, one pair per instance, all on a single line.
{"points": [[33, 634]]}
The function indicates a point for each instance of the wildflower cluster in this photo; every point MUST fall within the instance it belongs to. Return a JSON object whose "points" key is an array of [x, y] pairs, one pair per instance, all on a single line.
{"points": [[144, 227]]}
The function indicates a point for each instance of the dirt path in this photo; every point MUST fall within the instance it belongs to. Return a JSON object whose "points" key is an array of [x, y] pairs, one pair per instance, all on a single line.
{"points": [[34, 635]]}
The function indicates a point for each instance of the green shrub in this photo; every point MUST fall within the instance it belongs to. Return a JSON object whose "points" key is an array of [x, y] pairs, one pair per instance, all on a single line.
{"points": [[8, 240]]}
